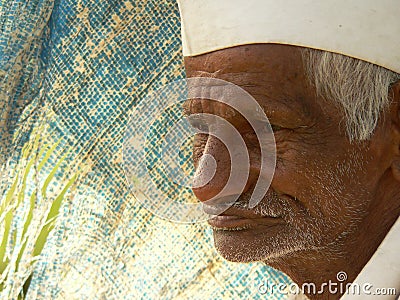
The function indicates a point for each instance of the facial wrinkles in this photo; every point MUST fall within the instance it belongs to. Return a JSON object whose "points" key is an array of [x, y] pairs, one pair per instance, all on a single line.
{"points": [[311, 226], [333, 199], [300, 234], [313, 219], [316, 232]]}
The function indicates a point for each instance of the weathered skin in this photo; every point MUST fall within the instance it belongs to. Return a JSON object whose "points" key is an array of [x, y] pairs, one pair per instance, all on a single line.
{"points": [[331, 202]]}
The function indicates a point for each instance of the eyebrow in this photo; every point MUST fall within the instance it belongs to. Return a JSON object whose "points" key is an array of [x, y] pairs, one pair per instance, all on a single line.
{"points": [[283, 105]]}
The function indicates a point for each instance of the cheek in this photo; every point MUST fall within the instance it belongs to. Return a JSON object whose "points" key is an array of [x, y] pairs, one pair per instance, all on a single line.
{"points": [[327, 181], [290, 164]]}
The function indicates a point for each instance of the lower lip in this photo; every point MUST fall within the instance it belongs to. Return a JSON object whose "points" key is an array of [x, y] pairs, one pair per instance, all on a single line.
{"points": [[239, 223]]}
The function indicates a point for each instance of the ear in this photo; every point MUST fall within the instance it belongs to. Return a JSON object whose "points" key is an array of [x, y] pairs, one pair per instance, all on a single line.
{"points": [[395, 116]]}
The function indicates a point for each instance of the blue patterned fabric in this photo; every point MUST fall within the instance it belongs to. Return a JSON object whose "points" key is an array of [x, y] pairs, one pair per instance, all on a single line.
{"points": [[71, 73]]}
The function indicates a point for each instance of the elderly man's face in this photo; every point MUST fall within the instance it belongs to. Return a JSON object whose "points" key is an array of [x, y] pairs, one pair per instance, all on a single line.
{"points": [[323, 185]]}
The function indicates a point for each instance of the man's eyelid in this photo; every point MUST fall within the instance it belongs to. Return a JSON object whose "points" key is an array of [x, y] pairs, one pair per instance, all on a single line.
{"points": [[262, 122]]}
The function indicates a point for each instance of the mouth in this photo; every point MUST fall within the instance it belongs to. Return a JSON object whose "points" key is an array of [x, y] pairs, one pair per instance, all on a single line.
{"points": [[235, 219]]}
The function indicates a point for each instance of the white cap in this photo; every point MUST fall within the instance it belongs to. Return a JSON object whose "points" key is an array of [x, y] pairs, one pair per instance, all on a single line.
{"points": [[365, 29]]}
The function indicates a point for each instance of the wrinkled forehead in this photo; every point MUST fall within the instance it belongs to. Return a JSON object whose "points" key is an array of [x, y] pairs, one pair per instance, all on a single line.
{"points": [[272, 73], [261, 65], [259, 68], [363, 29], [247, 58]]}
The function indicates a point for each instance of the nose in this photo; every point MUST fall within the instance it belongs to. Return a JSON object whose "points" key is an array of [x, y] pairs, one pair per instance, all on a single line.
{"points": [[211, 172], [221, 171]]}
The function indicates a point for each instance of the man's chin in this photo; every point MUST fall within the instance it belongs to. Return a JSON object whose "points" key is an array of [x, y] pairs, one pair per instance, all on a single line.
{"points": [[236, 246], [234, 255]]}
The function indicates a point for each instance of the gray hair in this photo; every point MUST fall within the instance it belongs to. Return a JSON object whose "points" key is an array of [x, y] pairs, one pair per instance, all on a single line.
{"points": [[360, 88]]}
